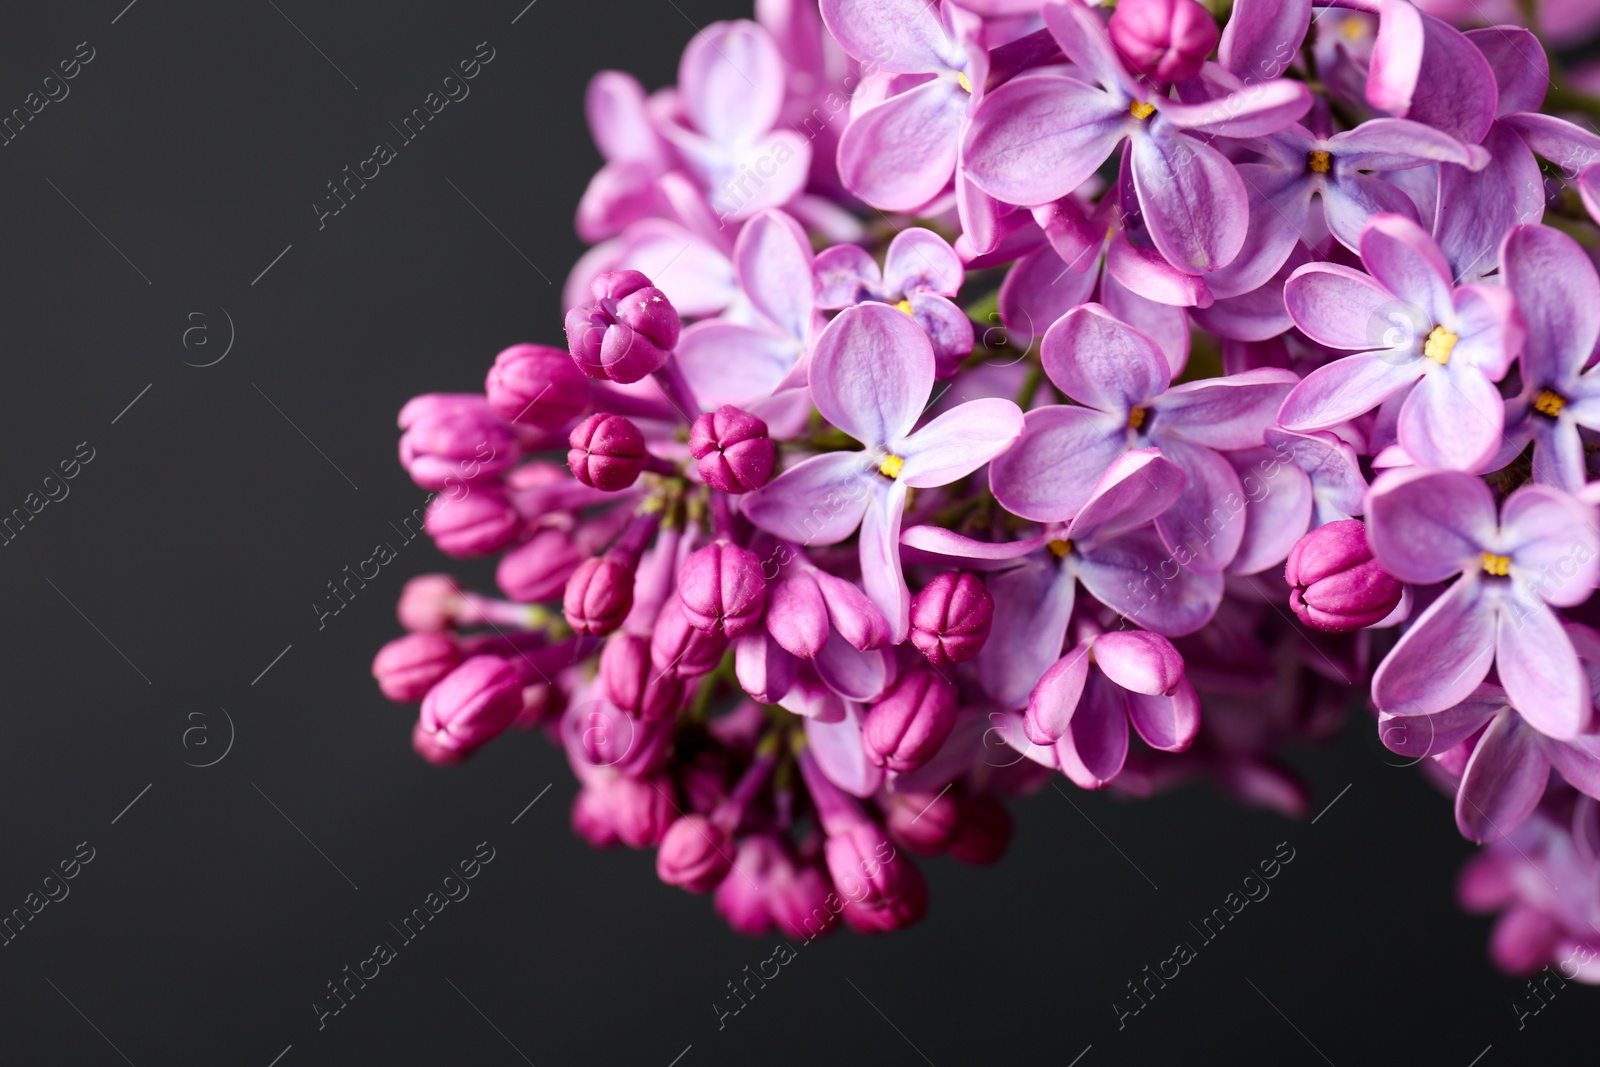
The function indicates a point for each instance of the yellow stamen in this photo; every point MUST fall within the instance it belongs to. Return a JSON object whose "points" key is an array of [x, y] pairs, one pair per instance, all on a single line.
{"points": [[1319, 162], [904, 305], [891, 466], [1136, 418], [1499, 566], [1549, 403], [1438, 345], [1059, 548], [1141, 110], [963, 81]]}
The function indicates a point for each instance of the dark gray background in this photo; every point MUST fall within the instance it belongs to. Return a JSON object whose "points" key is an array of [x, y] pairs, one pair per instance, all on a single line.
{"points": [[206, 525]]}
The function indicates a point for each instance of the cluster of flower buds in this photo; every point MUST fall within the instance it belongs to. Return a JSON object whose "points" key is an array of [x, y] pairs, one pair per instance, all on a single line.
{"points": [[959, 394]]}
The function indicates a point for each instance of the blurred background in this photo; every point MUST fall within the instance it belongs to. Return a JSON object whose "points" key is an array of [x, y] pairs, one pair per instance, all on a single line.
{"points": [[177, 309]]}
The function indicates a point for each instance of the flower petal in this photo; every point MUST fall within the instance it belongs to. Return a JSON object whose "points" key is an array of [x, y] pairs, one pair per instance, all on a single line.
{"points": [[1040, 136], [1261, 37], [1137, 577], [1095, 745], [1343, 308], [1167, 723], [1278, 501], [729, 363], [1339, 391], [901, 153], [1452, 419], [819, 501], [959, 441], [1539, 669], [1136, 488], [1521, 69], [1193, 200], [920, 260], [1554, 284], [1476, 209], [1443, 657], [773, 260], [841, 756], [1055, 698], [1404, 259], [1032, 604], [1051, 470], [1425, 526], [1227, 412], [1102, 362], [1262, 109], [731, 81], [896, 36], [842, 272], [871, 373], [881, 573], [1503, 781], [1439, 732]]}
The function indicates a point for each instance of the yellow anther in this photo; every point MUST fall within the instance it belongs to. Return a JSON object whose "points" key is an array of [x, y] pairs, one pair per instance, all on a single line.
{"points": [[1438, 345], [904, 305], [1499, 566], [963, 81], [1319, 162], [1136, 418], [1059, 548], [891, 466], [1141, 110], [1549, 403]]}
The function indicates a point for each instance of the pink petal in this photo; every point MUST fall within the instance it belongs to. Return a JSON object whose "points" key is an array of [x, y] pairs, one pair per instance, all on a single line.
{"points": [[1095, 745], [1139, 486], [871, 373], [1102, 362], [1040, 136], [731, 81], [1167, 723], [1428, 525], [1452, 419], [1539, 669], [900, 154], [1503, 781], [1193, 200], [1443, 657], [820, 501], [959, 441], [1339, 391], [840, 754], [1050, 472], [773, 260]]}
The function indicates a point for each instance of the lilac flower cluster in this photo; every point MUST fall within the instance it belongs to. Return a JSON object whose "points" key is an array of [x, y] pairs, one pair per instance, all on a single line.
{"points": [[1283, 399]]}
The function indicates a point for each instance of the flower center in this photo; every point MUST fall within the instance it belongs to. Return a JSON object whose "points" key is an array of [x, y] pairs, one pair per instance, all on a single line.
{"points": [[1499, 566], [1136, 418], [1549, 403], [963, 81], [1319, 162], [891, 466], [1059, 548], [1438, 345], [1141, 110], [904, 305]]}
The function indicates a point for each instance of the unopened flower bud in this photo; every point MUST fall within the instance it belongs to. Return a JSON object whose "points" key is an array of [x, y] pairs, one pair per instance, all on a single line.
{"points": [[598, 596], [695, 854], [926, 823], [452, 441], [884, 889], [723, 589], [536, 385], [633, 683], [985, 831], [904, 730], [1165, 40], [607, 452], [680, 648], [950, 618], [628, 332], [468, 708], [538, 569], [642, 809], [732, 449], [1336, 584], [429, 603], [407, 667], [479, 524]]}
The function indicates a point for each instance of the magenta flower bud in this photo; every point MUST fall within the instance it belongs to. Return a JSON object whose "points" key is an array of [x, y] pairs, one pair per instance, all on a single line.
{"points": [[1165, 40], [883, 890], [536, 385], [1337, 585], [680, 648], [468, 708], [451, 441], [927, 823], [950, 618], [607, 452], [592, 819], [722, 589], [407, 667], [633, 683], [429, 603], [732, 448], [641, 809], [538, 569], [986, 828], [695, 854], [479, 524], [903, 730], [598, 596], [627, 333]]}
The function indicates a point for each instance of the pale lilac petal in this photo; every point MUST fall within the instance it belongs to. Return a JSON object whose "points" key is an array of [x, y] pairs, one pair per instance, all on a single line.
{"points": [[1343, 308], [731, 81], [1137, 577], [958, 442], [1566, 144], [1261, 37], [1228, 412], [1050, 472], [900, 154], [1143, 271], [1452, 419], [1439, 732], [819, 501], [763, 667], [1425, 526], [1539, 669], [1055, 698], [1503, 781], [842, 272], [1205, 526], [871, 373], [1443, 657], [1135, 489], [1166, 723], [1084, 40], [1038, 290], [773, 260], [1521, 69], [920, 259], [1102, 362], [812, 700], [840, 754], [1032, 604], [1553, 544], [896, 36], [1396, 57], [881, 573], [1338, 485], [1280, 201], [1476, 209], [948, 328], [1349, 201], [1095, 745], [615, 106], [1139, 661], [1554, 283], [1578, 761], [1164, 324], [853, 674], [1397, 144], [938, 541], [1455, 89], [1404, 259], [1193, 200], [852, 612], [1339, 391], [1257, 111], [727, 363], [1040, 136], [1278, 501]]}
